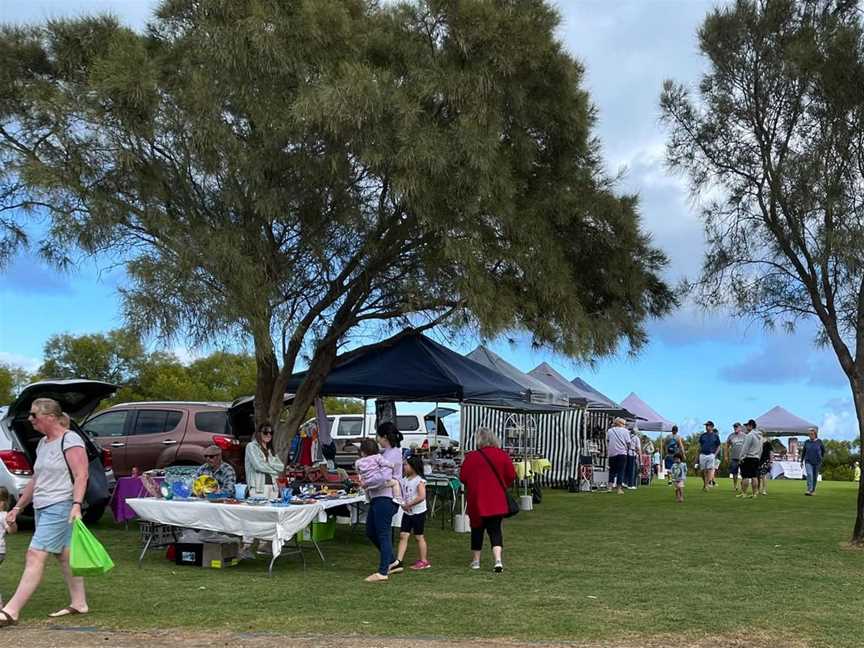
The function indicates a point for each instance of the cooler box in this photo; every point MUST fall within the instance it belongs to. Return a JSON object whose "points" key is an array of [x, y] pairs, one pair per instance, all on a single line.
{"points": [[319, 531], [206, 554]]}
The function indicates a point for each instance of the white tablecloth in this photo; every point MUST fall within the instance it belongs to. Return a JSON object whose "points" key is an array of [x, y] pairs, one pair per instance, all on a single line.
{"points": [[342, 501], [275, 523], [787, 469]]}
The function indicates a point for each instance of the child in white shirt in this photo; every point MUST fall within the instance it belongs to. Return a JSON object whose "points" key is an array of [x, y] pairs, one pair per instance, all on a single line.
{"points": [[414, 514]]}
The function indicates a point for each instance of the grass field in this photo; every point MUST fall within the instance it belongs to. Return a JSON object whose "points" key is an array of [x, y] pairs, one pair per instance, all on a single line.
{"points": [[580, 567]]}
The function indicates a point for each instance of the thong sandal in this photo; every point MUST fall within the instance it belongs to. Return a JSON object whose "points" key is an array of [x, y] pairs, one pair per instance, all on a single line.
{"points": [[67, 611], [7, 620]]}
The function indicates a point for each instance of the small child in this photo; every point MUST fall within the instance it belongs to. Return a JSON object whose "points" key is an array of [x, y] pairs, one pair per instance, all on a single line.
{"points": [[414, 516], [679, 476], [4, 528], [372, 467]]}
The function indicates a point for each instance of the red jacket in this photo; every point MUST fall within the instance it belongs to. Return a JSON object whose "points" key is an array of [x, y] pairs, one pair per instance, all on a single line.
{"points": [[485, 496]]}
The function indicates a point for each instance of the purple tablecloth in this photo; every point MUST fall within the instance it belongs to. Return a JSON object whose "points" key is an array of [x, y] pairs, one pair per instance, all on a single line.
{"points": [[127, 488]]}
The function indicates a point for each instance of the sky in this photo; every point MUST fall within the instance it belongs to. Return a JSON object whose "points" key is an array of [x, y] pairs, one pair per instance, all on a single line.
{"points": [[697, 365]]}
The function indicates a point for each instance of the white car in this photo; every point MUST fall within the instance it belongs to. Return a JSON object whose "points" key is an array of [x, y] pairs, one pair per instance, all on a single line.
{"points": [[18, 439], [418, 432]]}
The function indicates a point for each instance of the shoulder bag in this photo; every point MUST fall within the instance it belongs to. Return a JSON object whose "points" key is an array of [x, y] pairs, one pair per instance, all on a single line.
{"points": [[512, 504], [97, 494]]}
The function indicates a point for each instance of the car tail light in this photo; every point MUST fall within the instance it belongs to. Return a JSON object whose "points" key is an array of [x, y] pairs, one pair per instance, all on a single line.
{"points": [[16, 462], [107, 460], [425, 445], [226, 442]]}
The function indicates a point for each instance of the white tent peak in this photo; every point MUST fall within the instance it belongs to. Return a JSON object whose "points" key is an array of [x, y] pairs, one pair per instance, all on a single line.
{"points": [[548, 376], [781, 422], [595, 397], [539, 391], [653, 421]]}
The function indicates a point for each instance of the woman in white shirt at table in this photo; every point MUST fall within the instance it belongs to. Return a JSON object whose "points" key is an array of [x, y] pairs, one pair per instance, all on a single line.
{"points": [[262, 465]]}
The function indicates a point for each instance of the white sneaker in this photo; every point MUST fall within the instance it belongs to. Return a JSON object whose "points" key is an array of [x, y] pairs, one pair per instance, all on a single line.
{"points": [[499, 567], [475, 564]]}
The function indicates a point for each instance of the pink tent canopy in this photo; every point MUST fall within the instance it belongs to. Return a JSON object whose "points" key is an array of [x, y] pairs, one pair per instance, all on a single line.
{"points": [[780, 422], [653, 422]]}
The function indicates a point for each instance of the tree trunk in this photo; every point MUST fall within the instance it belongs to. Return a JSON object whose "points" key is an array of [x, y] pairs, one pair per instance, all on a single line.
{"points": [[385, 410], [858, 399], [267, 371], [322, 363]]}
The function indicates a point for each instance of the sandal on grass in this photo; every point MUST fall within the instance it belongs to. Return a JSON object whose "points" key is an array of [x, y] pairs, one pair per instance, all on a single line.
{"points": [[67, 611], [6, 619]]}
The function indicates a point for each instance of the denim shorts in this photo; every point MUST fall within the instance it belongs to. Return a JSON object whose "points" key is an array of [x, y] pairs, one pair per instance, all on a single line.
{"points": [[53, 531]]}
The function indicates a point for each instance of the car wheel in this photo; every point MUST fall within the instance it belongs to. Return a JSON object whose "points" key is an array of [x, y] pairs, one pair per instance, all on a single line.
{"points": [[93, 514]]}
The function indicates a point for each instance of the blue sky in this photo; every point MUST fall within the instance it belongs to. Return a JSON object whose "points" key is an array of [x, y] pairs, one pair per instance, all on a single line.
{"points": [[698, 365]]}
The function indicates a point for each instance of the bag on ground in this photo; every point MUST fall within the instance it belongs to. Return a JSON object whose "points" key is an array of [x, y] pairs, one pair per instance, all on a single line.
{"points": [[87, 556]]}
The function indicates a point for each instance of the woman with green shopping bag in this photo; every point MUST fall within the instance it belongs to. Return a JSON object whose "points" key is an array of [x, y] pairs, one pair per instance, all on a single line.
{"points": [[57, 492]]}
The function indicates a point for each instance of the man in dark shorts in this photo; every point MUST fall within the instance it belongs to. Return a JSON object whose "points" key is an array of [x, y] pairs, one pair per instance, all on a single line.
{"points": [[734, 446], [751, 453]]}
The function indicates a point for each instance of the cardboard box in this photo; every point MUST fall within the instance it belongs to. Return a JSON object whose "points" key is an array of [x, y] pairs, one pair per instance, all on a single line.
{"points": [[208, 554]]}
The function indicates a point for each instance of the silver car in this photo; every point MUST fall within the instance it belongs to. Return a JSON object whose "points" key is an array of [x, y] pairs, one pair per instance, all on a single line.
{"points": [[18, 439]]}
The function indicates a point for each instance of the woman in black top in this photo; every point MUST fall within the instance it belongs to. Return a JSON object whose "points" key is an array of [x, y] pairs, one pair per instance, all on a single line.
{"points": [[765, 467]]}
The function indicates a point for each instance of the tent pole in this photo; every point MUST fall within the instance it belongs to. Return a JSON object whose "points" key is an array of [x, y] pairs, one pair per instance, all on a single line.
{"points": [[363, 421]]}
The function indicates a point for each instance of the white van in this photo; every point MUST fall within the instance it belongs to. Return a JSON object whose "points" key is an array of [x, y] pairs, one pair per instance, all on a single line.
{"points": [[418, 431]]}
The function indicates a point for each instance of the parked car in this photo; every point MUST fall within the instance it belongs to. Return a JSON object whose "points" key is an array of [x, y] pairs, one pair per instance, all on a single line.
{"points": [[158, 434], [18, 439], [418, 431]]}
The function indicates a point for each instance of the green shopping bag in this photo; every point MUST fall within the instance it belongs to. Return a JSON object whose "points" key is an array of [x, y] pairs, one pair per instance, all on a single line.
{"points": [[87, 556]]}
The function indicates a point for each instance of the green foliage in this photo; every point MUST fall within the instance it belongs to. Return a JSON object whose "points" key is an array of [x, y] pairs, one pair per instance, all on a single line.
{"points": [[292, 173], [837, 464], [113, 357], [119, 357], [12, 379]]}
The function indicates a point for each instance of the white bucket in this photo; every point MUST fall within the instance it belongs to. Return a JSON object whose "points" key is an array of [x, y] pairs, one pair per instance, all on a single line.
{"points": [[526, 502], [461, 524]]}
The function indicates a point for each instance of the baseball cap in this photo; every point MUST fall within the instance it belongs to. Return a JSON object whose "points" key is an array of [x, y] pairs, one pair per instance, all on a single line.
{"points": [[212, 451], [711, 423]]}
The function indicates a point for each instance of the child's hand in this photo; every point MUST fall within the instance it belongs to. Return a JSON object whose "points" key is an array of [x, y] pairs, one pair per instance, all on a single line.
{"points": [[405, 507], [12, 528]]}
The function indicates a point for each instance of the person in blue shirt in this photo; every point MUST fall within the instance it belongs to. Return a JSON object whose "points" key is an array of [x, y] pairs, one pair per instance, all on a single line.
{"points": [[709, 443], [811, 459]]}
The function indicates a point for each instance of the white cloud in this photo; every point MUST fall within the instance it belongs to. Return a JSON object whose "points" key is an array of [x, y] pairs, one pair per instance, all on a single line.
{"points": [[839, 421], [28, 363]]}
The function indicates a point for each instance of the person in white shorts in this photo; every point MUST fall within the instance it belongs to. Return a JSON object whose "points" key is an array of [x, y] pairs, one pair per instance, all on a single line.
{"points": [[709, 443]]}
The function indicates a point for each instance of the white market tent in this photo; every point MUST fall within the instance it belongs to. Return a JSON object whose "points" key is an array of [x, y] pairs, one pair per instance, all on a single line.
{"points": [[547, 375], [780, 422], [538, 391], [596, 398], [653, 422], [557, 423]]}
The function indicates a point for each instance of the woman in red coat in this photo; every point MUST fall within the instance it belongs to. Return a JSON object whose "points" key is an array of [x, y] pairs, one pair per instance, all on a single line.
{"points": [[487, 501]]}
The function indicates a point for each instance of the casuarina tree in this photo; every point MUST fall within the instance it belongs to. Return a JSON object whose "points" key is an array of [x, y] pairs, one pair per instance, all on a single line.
{"points": [[775, 140], [295, 173]]}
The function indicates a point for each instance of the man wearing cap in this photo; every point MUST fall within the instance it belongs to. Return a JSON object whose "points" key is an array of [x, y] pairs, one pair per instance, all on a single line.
{"points": [[709, 442], [734, 449], [219, 470]]}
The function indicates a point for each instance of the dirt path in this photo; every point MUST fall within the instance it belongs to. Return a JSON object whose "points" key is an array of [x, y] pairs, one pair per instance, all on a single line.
{"points": [[56, 636]]}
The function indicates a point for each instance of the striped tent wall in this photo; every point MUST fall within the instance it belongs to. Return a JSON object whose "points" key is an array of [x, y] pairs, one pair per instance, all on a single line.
{"points": [[560, 437]]}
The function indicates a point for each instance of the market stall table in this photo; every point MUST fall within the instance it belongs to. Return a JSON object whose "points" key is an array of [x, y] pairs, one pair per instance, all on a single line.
{"points": [[128, 488], [279, 524], [787, 469]]}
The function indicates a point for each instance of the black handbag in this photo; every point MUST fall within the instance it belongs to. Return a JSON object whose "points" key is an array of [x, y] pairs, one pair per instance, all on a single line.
{"points": [[512, 504], [97, 494]]}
